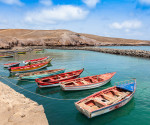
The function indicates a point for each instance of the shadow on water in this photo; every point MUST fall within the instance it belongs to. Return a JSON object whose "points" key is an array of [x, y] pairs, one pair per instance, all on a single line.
{"points": [[25, 82], [108, 117], [48, 91], [69, 94]]}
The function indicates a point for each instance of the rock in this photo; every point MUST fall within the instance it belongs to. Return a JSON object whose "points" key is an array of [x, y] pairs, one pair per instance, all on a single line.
{"points": [[10, 38]]}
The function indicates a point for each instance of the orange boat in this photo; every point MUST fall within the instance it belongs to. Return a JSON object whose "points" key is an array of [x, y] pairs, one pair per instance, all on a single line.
{"points": [[28, 68], [88, 82], [54, 80]]}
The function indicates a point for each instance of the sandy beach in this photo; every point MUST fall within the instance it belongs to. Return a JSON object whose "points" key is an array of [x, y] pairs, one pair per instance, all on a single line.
{"points": [[16, 109]]}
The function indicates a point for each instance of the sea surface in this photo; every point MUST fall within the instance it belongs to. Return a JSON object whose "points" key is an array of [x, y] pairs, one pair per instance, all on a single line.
{"points": [[59, 105]]}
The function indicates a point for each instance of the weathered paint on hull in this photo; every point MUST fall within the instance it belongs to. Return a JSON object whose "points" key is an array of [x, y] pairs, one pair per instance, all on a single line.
{"points": [[105, 110], [29, 70], [42, 75], [76, 88]]}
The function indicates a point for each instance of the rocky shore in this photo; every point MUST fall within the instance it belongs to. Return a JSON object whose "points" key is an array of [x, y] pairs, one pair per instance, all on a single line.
{"points": [[16, 109], [10, 38]]}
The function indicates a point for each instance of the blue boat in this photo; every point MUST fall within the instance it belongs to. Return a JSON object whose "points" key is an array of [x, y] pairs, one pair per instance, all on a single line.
{"points": [[40, 74]]}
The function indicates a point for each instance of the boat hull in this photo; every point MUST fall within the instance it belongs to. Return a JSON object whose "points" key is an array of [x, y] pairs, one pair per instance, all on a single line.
{"points": [[8, 66], [76, 88], [11, 56], [105, 110], [42, 75], [30, 69], [48, 86]]}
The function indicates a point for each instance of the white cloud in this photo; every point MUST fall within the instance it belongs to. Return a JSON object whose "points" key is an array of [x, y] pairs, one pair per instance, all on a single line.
{"points": [[91, 3], [46, 2], [127, 25], [56, 14], [145, 2], [17, 2]]}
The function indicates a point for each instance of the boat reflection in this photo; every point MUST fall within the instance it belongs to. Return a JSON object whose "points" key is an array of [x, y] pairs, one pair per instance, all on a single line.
{"points": [[48, 91], [108, 117]]}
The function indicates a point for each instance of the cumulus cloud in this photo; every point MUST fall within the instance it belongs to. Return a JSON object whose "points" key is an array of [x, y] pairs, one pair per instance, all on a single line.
{"points": [[91, 3], [17, 2], [46, 2], [127, 25], [145, 2], [56, 14]]}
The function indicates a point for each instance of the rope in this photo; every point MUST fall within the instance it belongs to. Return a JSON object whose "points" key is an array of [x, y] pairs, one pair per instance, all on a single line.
{"points": [[36, 93]]}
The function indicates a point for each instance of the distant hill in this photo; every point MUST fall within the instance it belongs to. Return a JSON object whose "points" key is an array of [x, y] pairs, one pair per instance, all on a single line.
{"points": [[23, 37]]}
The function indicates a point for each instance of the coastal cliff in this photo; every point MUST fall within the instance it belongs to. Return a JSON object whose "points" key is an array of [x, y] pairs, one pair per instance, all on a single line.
{"points": [[10, 38], [16, 109]]}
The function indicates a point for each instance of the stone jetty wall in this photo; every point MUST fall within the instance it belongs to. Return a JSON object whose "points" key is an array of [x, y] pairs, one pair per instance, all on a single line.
{"points": [[135, 53]]}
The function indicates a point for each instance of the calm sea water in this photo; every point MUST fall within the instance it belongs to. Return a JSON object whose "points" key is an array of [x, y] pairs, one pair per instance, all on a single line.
{"points": [[147, 48], [59, 112]]}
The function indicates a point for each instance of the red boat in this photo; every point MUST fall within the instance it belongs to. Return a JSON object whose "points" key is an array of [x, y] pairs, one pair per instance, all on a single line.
{"points": [[28, 68], [35, 60], [54, 80], [11, 64]]}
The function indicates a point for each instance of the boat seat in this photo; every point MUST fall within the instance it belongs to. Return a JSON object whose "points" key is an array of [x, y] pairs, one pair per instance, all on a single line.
{"points": [[85, 82], [99, 101], [118, 98], [107, 97]]}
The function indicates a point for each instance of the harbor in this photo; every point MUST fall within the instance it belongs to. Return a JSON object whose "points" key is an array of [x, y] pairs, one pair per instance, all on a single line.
{"points": [[59, 104]]}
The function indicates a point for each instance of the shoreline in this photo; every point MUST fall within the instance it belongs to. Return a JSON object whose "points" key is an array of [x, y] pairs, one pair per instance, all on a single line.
{"points": [[16, 109], [125, 52]]}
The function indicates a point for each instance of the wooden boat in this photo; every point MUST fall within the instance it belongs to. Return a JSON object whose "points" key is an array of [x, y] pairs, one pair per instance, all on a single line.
{"points": [[88, 82], [21, 52], [107, 100], [54, 80], [40, 74], [6, 56], [28, 68], [36, 60], [42, 61], [16, 64], [39, 50]]}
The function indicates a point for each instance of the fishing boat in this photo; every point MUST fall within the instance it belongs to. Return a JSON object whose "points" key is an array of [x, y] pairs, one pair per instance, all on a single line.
{"points": [[107, 100], [21, 52], [16, 64], [54, 80], [88, 82], [40, 74], [28, 68], [6, 56], [36, 60], [39, 50]]}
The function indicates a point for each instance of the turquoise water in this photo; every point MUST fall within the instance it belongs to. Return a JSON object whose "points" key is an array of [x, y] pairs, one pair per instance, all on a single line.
{"points": [[147, 48], [58, 112]]}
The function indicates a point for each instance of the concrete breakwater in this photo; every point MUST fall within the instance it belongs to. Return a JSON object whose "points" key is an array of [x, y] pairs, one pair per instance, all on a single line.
{"points": [[135, 53], [16, 109]]}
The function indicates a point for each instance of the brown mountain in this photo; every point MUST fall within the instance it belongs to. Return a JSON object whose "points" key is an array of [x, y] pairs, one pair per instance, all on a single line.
{"points": [[23, 37]]}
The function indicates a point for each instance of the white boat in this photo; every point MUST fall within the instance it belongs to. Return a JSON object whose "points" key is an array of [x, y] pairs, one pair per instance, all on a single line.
{"points": [[106, 100], [88, 82]]}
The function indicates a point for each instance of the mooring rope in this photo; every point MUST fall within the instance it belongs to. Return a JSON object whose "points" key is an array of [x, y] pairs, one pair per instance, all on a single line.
{"points": [[36, 93]]}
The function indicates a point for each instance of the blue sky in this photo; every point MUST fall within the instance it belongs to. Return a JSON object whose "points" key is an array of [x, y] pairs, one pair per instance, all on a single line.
{"points": [[111, 18]]}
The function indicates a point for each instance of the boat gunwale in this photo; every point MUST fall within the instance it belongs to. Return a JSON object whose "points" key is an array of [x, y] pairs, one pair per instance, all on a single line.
{"points": [[107, 106]]}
